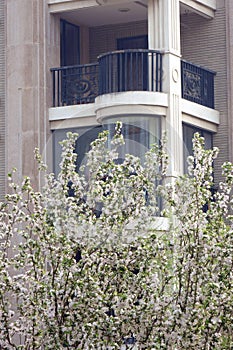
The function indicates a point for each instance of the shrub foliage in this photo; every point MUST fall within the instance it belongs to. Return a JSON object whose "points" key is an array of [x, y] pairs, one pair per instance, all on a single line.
{"points": [[93, 262]]}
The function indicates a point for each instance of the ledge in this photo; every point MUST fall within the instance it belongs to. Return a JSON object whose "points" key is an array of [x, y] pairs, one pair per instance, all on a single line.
{"points": [[71, 112], [130, 102], [199, 115], [56, 6], [205, 8], [72, 116]]}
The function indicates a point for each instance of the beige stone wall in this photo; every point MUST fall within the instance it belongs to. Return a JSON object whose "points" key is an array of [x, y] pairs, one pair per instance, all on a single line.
{"points": [[204, 43], [27, 77], [104, 39], [2, 97]]}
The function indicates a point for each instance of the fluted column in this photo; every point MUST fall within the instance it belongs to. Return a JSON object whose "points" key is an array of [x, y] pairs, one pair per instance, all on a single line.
{"points": [[164, 34]]}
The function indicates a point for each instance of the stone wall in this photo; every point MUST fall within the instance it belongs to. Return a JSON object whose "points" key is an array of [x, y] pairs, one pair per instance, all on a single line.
{"points": [[27, 123], [2, 97]]}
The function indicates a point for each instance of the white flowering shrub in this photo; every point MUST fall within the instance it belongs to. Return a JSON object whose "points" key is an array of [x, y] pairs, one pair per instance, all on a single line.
{"points": [[82, 265]]}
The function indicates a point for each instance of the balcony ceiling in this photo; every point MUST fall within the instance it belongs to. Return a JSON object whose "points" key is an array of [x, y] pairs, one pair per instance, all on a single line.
{"points": [[106, 14]]}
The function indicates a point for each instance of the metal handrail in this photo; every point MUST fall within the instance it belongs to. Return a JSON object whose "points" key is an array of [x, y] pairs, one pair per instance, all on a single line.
{"points": [[130, 70], [197, 84], [75, 84]]}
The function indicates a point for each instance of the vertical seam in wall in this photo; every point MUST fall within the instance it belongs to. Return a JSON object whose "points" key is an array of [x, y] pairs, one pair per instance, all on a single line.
{"points": [[38, 134], [44, 85], [229, 80]]}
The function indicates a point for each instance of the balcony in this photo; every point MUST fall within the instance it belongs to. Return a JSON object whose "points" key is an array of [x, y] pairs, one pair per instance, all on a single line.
{"points": [[118, 71], [197, 84], [127, 70]]}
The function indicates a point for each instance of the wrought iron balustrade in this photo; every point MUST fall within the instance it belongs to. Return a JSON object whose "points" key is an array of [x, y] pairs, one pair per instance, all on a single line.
{"points": [[197, 84], [125, 70], [75, 85], [130, 70]]}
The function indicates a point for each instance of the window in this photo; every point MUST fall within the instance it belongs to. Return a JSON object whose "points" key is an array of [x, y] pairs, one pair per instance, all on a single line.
{"points": [[133, 42], [188, 133], [140, 133], [129, 63], [86, 136], [70, 42]]}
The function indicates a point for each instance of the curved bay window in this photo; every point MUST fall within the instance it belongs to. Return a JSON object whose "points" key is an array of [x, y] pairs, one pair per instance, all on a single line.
{"points": [[140, 133]]}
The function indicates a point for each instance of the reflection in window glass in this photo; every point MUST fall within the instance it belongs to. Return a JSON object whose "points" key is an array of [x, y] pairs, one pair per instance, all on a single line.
{"points": [[140, 133], [86, 136], [188, 133]]}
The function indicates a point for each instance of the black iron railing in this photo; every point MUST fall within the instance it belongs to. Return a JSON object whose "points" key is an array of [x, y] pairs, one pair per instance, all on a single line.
{"points": [[127, 70], [197, 84], [75, 85], [130, 70]]}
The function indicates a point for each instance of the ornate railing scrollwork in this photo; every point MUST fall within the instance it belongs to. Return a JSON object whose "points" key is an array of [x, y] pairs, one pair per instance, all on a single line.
{"points": [[127, 70], [192, 85], [75, 85], [197, 84]]}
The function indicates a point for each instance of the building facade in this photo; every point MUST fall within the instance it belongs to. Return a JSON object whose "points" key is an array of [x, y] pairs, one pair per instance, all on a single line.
{"points": [[81, 65]]}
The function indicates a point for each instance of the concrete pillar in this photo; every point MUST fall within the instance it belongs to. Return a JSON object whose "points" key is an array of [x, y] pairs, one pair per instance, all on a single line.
{"points": [[26, 121], [164, 34]]}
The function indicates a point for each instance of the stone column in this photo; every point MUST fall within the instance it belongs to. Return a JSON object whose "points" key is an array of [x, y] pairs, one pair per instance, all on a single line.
{"points": [[26, 124], [164, 35]]}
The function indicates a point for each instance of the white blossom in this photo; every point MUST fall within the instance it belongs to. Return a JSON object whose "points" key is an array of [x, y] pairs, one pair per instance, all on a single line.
{"points": [[82, 265]]}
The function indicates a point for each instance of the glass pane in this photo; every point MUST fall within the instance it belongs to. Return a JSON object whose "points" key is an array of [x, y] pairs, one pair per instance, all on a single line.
{"points": [[86, 136], [188, 133], [134, 42], [140, 133], [70, 52]]}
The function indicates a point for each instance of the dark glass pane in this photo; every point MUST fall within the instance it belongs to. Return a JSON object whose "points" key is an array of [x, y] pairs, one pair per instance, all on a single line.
{"points": [[86, 136], [134, 42], [70, 51], [129, 64], [188, 134]]}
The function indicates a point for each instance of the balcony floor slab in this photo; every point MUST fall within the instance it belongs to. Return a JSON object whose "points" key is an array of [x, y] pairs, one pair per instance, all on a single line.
{"points": [[196, 114]]}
